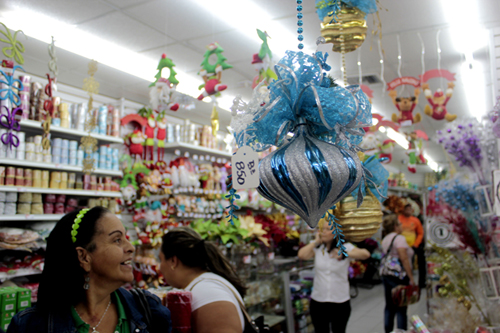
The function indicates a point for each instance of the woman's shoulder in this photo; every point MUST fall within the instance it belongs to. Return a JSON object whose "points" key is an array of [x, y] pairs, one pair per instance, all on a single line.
{"points": [[29, 320]]}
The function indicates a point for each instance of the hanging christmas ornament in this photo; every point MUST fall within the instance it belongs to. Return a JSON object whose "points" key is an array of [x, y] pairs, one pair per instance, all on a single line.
{"points": [[437, 108], [415, 149], [405, 105], [14, 49], [162, 90], [212, 72], [262, 62], [386, 149], [214, 120], [89, 143], [318, 166]]}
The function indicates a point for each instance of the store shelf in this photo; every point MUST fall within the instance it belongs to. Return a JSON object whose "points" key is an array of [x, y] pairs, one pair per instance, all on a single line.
{"points": [[61, 167], [69, 133], [199, 150], [270, 320], [403, 190], [35, 217], [18, 272], [88, 193]]}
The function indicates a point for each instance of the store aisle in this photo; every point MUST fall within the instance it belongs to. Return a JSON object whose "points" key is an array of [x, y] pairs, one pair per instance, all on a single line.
{"points": [[367, 314]]}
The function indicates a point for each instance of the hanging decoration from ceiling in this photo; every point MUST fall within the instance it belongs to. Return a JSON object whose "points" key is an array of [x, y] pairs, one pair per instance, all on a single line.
{"points": [[415, 149], [262, 62], [386, 149], [437, 108], [149, 120], [361, 222], [11, 89], [343, 23], [89, 143], [318, 166], [161, 93], [212, 72], [48, 105]]}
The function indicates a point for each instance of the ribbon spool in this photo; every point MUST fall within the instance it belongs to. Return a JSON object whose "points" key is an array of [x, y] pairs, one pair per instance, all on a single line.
{"points": [[360, 223], [349, 30]]}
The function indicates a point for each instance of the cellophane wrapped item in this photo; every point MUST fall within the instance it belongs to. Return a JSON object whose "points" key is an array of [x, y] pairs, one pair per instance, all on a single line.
{"points": [[179, 304], [448, 313]]}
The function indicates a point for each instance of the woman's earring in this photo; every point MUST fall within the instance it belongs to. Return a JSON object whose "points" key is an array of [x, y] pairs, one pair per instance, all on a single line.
{"points": [[86, 285], [172, 267]]}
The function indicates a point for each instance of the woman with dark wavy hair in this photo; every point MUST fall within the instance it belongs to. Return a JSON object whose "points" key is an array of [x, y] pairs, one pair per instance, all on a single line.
{"points": [[88, 259], [188, 262]]}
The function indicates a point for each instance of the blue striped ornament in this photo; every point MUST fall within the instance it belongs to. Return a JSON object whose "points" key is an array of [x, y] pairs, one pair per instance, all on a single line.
{"points": [[308, 176]]}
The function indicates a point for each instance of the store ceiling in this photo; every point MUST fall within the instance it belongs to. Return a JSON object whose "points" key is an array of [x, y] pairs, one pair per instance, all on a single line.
{"points": [[182, 29]]}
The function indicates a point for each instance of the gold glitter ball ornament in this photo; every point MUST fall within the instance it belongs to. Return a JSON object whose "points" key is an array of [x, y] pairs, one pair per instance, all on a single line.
{"points": [[360, 223], [351, 26]]}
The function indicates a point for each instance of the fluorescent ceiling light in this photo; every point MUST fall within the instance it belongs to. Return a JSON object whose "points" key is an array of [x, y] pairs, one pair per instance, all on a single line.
{"points": [[431, 163], [75, 40], [398, 137], [474, 86], [463, 16], [246, 16]]}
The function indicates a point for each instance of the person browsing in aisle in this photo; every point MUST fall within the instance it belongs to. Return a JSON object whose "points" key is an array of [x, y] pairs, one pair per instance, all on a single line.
{"points": [[414, 234], [189, 262], [398, 247], [330, 305], [88, 259]]}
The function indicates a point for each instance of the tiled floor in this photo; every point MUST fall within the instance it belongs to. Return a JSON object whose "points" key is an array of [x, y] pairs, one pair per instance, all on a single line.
{"points": [[367, 314]]}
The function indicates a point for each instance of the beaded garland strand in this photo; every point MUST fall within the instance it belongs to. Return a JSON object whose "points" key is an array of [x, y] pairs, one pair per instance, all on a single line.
{"points": [[300, 30]]}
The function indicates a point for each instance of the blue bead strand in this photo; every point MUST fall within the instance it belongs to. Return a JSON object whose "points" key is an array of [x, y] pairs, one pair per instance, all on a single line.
{"points": [[300, 37]]}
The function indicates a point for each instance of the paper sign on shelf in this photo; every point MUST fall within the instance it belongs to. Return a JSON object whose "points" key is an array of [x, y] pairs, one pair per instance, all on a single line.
{"points": [[245, 168]]}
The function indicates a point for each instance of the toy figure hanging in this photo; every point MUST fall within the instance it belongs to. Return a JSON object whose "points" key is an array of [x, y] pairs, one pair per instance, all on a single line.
{"points": [[386, 149], [162, 90], [405, 105], [161, 135], [148, 114], [438, 101], [415, 152], [212, 73], [262, 62]]}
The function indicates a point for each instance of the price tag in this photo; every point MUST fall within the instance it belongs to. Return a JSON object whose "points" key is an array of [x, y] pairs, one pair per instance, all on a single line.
{"points": [[270, 255], [247, 259], [245, 168], [21, 189], [29, 217]]}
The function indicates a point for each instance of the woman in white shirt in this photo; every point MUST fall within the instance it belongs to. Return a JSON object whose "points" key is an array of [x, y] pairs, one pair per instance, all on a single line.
{"points": [[190, 263], [399, 248], [330, 304]]}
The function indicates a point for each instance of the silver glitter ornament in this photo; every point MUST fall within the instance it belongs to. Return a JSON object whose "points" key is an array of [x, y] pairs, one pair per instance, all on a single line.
{"points": [[308, 175]]}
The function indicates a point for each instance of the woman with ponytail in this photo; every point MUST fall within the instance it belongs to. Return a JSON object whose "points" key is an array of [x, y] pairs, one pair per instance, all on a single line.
{"points": [[190, 263]]}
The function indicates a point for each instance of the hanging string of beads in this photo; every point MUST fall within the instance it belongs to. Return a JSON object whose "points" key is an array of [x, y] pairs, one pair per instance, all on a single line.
{"points": [[300, 37]]}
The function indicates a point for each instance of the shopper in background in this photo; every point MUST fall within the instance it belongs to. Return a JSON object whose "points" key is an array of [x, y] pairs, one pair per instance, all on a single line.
{"points": [[414, 234], [87, 260], [330, 304], [399, 249], [190, 263]]}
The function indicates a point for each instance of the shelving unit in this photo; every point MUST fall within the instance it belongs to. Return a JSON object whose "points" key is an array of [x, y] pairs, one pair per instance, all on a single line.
{"points": [[88, 193], [404, 190], [198, 150], [18, 273], [67, 133], [60, 167], [35, 217]]}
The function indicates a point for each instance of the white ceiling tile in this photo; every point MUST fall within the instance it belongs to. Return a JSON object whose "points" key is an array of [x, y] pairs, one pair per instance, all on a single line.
{"points": [[125, 31], [71, 12], [180, 19], [126, 3]]}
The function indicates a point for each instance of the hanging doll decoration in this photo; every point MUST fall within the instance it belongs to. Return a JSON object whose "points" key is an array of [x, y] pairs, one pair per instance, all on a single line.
{"points": [[415, 151], [405, 105], [149, 116], [438, 102], [162, 90], [135, 143], [161, 135], [262, 62], [386, 149], [212, 73]]}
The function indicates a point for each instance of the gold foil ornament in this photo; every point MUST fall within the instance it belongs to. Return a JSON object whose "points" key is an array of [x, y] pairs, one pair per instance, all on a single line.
{"points": [[360, 223], [214, 120], [349, 30], [89, 144]]}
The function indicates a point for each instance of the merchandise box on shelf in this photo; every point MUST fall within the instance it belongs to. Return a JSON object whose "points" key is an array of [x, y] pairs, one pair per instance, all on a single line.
{"points": [[8, 300]]}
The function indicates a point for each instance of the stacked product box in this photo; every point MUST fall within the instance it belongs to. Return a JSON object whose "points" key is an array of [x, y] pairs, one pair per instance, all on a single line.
{"points": [[12, 301]]}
